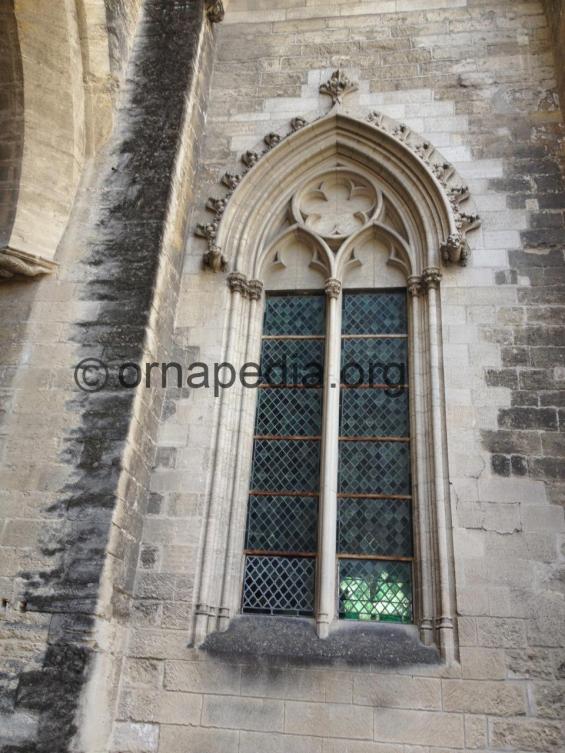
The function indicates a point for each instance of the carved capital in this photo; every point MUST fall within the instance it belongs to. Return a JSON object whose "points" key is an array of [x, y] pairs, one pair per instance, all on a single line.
{"points": [[332, 287], [338, 86], [215, 11], [254, 289], [15, 263], [415, 287], [431, 278], [237, 282]]}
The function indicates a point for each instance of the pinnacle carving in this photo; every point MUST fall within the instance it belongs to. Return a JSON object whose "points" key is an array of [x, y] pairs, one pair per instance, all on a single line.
{"points": [[338, 86]]}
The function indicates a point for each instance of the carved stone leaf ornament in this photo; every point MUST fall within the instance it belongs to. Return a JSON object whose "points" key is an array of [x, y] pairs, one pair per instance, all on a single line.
{"points": [[338, 86], [336, 208]]}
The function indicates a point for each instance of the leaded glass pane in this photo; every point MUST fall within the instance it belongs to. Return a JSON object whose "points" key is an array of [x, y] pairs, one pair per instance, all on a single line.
{"points": [[286, 465], [374, 467], [375, 590], [374, 413], [369, 526], [378, 361], [279, 585], [282, 524], [294, 315], [293, 362], [289, 412], [374, 314]]}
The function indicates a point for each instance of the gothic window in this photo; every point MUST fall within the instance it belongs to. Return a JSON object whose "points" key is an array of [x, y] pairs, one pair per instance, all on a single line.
{"points": [[374, 525], [329, 497]]}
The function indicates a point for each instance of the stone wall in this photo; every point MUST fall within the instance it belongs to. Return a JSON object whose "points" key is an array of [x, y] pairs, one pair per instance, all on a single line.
{"points": [[555, 10], [75, 465], [476, 78]]}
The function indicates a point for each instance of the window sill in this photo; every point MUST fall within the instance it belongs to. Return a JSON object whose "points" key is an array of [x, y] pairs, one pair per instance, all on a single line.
{"points": [[295, 638]]}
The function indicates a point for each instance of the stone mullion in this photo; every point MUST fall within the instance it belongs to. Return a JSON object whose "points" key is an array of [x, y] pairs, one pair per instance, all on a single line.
{"points": [[236, 521], [209, 580], [326, 573], [423, 574], [444, 621]]}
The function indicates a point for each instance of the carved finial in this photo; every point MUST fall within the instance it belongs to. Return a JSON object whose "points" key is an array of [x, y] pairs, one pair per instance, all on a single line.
{"points": [[214, 259], [297, 123], [333, 287], [431, 277], [338, 86], [215, 11]]}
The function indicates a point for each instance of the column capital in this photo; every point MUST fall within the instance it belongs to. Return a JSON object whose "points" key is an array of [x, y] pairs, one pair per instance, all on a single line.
{"points": [[415, 286], [332, 287], [255, 289], [237, 283], [431, 278]]}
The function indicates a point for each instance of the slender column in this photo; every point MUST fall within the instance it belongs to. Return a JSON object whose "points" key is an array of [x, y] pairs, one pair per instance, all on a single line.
{"points": [[231, 594], [431, 279], [206, 598], [328, 471], [421, 494]]}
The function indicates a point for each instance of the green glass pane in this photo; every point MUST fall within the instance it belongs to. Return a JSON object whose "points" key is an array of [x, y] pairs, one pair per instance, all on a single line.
{"points": [[376, 591]]}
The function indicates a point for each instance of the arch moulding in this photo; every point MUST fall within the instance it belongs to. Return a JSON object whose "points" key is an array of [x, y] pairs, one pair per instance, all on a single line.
{"points": [[336, 193]]}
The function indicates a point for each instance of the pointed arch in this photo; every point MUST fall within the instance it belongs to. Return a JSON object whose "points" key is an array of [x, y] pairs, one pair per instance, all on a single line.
{"points": [[416, 222]]}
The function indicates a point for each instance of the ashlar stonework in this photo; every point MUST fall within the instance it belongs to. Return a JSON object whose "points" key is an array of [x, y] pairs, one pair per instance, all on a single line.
{"points": [[163, 165]]}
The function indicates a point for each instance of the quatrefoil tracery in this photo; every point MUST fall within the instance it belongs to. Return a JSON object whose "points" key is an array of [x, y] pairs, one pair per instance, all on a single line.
{"points": [[336, 205]]}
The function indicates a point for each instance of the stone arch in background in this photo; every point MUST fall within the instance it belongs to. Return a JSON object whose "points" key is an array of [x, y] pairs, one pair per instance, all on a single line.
{"points": [[62, 97]]}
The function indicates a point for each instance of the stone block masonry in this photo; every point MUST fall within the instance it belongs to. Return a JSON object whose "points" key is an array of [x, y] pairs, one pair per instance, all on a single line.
{"points": [[73, 520], [103, 496]]}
